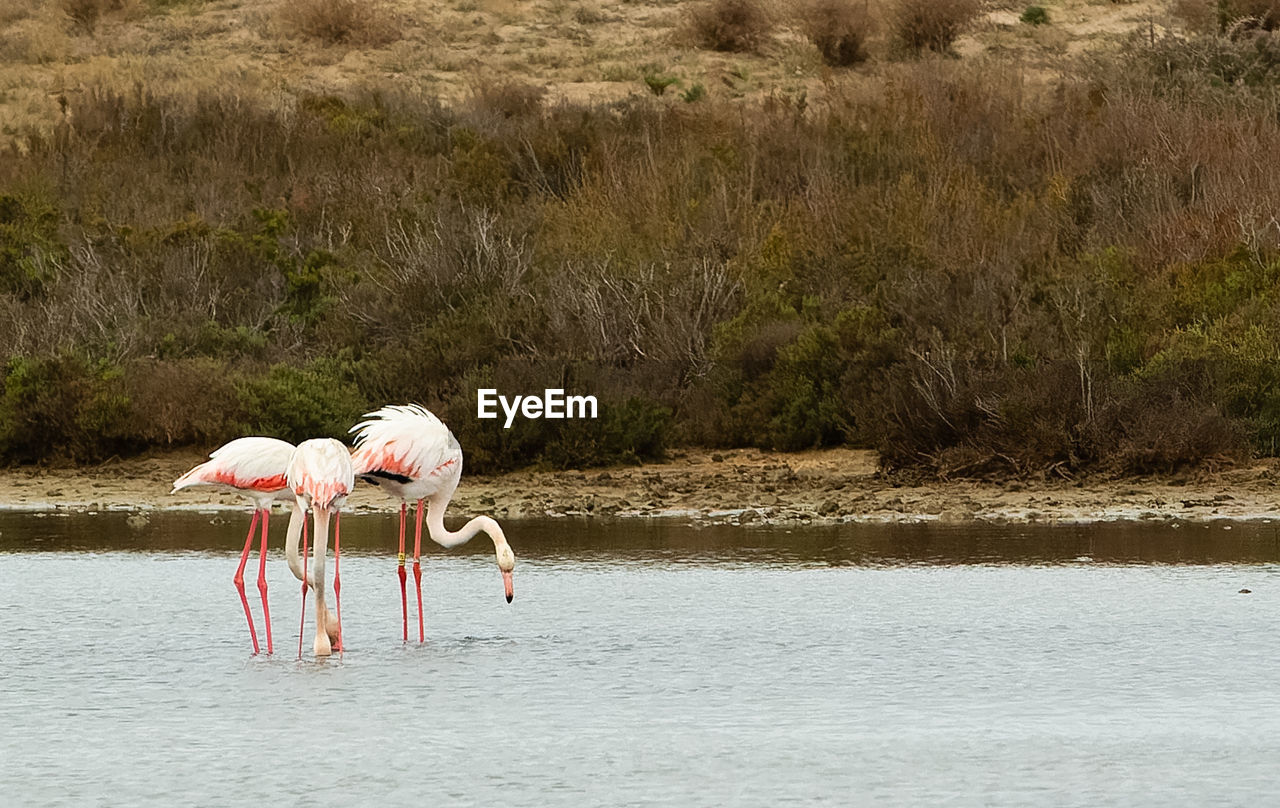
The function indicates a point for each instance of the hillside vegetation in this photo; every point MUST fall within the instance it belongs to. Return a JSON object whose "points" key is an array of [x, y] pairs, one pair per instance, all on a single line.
{"points": [[1006, 254]]}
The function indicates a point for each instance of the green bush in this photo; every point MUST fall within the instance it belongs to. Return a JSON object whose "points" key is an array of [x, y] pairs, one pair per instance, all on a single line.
{"points": [[916, 268], [694, 94], [625, 432], [1035, 15], [62, 407], [29, 244], [295, 404], [658, 83]]}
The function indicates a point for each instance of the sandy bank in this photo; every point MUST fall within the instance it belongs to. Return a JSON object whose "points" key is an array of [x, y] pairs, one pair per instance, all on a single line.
{"points": [[703, 486]]}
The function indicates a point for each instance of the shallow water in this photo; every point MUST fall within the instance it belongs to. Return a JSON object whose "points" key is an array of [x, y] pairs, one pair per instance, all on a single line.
{"points": [[648, 663]]}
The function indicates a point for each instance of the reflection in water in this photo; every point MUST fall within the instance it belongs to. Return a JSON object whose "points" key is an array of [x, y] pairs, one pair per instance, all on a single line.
{"points": [[649, 664], [668, 541]]}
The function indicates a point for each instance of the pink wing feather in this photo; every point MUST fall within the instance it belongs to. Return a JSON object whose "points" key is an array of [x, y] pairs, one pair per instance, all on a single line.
{"points": [[406, 440], [247, 464]]}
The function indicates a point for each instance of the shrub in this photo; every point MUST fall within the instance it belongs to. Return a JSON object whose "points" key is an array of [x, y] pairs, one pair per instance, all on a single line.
{"points": [[29, 244], [84, 14], [694, 94], [731, 25], [1200, 16], [510, 99], [658, 83], [931, 24], [295, 404], [625, 432], [183, 402], [62, 406], [838, 29], [1035, 15], [988, 419], [1242, 14], [909, 268], [1158, 426], [1252, 62], [589, 14], [367, 23]]}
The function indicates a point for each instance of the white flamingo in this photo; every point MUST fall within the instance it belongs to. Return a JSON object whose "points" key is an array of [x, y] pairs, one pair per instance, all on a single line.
{"points": [[254, 468], [320, 475], [411, 455]]}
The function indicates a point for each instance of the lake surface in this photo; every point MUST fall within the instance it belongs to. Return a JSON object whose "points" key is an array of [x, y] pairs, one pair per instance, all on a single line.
{"points": [[649, 664]]}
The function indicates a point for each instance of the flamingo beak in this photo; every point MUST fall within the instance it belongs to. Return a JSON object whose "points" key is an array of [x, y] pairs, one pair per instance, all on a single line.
{"points": [[506, 584]]}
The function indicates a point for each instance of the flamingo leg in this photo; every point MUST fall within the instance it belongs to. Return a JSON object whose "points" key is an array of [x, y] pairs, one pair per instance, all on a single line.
{"points": [[404, 599], [337, 579], [239, 579], [302, 622], [417, 569], [262, 576]]}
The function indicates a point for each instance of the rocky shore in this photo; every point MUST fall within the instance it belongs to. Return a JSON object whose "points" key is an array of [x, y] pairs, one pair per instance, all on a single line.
{"points": [[740, 486]]}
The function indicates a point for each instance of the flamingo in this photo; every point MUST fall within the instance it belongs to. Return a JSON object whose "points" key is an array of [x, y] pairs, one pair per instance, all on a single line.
{"points": [[320, 476], [254, 468], [413, 456]]}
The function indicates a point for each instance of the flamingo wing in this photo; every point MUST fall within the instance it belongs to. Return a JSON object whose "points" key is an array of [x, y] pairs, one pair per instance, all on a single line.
{"points": [[404, 443], [248, 464]]}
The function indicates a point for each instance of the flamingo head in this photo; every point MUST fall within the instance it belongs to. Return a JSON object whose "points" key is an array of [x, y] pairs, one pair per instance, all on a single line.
{"points": [[506, 563]]}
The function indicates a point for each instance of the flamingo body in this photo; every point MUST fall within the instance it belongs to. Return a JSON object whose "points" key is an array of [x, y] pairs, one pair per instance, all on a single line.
{"points": [[408, 452], [254, 468], [320, 475]]}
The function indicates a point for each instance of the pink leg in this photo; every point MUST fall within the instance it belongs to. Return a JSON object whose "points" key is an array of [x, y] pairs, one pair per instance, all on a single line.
{"points": [[404, 598], [417, 568], [302, 624], [337, 578], [262, 577], [239, 580]]}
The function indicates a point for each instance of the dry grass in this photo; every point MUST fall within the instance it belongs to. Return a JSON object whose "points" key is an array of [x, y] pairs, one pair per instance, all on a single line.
{"points": [[84, 14], [1263, 14], [931, 24], [367, 23], [510, 98], [1200, 16], [590, 52], [735, 26]]}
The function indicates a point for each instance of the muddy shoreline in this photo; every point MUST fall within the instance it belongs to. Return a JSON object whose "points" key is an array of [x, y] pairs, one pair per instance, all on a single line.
{"points": [[742, 486]]}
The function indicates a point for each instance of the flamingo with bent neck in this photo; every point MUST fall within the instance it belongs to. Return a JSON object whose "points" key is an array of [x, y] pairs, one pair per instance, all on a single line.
{"points": [[412, 455], [320, 476]]}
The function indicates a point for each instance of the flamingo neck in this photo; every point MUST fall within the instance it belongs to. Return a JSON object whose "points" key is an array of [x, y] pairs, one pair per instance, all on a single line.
{"points": [[445, 538], [297, 518], [320, 548]]}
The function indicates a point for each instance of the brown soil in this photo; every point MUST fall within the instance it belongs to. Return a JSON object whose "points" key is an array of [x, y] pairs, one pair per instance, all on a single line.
{"points": [[703, 486]]}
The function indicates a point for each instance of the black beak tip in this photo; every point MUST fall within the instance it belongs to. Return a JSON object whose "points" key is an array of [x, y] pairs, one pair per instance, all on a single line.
{"points": [[509, 597]]}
